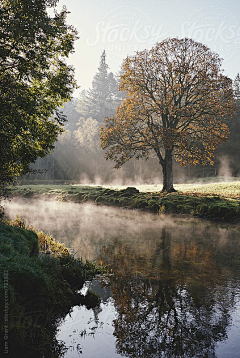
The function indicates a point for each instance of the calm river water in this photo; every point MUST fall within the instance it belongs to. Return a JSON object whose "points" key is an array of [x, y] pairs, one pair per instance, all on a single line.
{"points": [[174, 288]]}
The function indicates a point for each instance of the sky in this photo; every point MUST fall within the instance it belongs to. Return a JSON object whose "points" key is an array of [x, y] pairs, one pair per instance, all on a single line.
{"points": [[123, 27]]}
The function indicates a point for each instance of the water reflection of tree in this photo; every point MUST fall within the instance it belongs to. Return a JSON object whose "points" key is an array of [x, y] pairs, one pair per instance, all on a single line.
{"points": [[171, 303]]}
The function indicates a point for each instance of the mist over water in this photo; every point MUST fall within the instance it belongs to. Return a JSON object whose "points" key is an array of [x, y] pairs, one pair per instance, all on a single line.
{"points": [[174, 280], [82, 226]]}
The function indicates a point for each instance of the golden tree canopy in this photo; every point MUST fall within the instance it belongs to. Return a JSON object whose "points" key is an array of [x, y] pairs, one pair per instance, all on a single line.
{"points": [[177, 101]]}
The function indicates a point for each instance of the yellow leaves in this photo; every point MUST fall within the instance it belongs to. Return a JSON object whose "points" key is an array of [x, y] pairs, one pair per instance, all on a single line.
{"points": [[177, 98]]}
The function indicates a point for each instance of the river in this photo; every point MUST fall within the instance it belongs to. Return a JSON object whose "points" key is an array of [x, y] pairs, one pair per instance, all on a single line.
{"points": [[173, 288]]}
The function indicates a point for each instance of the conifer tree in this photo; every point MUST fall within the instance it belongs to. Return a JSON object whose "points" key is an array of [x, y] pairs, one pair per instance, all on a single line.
{"points": [[103, 98], [236, 87], [231, 149]]}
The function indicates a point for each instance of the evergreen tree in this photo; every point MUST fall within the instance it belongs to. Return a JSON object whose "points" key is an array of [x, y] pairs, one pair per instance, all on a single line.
{"points": [[236, 87], [103, 98], [231, 149]]}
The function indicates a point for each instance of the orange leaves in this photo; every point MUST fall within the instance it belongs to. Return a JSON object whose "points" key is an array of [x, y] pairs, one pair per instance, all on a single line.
{"points": [[177, 98]]}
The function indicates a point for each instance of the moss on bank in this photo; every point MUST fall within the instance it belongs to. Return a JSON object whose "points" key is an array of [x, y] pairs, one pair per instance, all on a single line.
{"points": [[202, 204], [39, 284]]}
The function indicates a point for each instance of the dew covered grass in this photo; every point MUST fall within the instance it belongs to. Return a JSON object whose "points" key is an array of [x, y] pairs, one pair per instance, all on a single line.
{"points": [[224, 190]]}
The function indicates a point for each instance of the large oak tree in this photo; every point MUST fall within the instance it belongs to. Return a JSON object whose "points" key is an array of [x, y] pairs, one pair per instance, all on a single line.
{"points": [[35, 80], [176, 105]]}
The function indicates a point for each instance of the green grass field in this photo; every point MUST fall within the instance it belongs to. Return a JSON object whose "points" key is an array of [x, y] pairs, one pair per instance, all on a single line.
{"points": [[223, 189]]}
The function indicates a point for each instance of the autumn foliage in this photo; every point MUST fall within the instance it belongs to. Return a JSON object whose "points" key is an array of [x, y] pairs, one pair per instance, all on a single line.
{"points": [[176, 105]]}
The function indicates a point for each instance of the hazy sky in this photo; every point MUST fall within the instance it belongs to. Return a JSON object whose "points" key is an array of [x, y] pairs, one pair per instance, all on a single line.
{"points": [[123, 27]]}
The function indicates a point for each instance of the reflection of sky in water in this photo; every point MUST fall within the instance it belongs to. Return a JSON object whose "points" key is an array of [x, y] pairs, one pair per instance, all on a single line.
{"points": [[230, 347], [95, 339], [95, 336], [194, 263]]}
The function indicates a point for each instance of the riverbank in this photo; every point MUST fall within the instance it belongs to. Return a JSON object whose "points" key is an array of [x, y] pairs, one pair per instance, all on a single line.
{"points": [[39, 285], [214, 201]]}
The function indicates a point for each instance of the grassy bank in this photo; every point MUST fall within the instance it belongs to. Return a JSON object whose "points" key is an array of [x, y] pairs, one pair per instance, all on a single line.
{"points": [[39, 284], [220, 201]]}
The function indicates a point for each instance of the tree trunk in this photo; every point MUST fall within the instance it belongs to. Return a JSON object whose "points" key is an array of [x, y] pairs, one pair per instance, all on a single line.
{"points": [[167, 172]]}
